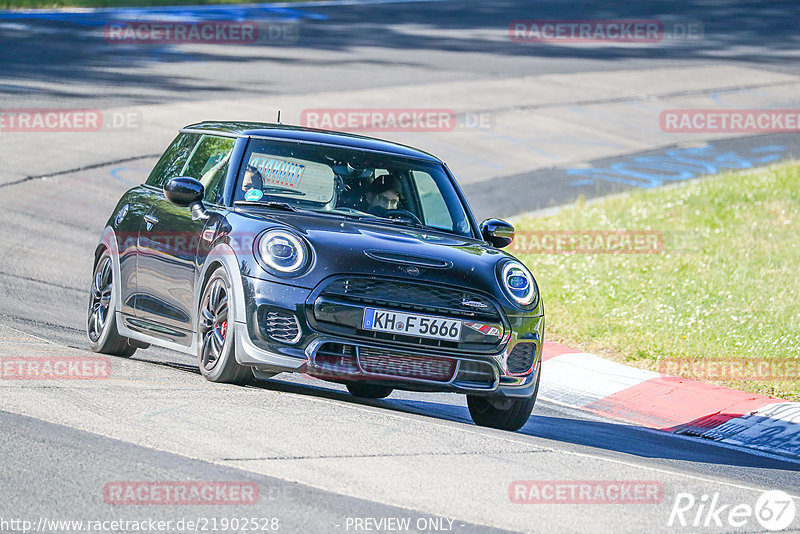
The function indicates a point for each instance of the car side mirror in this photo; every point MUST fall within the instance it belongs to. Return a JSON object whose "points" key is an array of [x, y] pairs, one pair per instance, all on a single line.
{"points": [[499, 233], [185, 191]]}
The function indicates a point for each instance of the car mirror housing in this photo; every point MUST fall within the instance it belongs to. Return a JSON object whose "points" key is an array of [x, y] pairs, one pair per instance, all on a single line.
{"points": [[186, 191], [497, 232]]}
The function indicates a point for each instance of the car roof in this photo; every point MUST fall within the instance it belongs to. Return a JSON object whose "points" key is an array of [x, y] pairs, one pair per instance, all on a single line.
{"points": [[308, 135]]}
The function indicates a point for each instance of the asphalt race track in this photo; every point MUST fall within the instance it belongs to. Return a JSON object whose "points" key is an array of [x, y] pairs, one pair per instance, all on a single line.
{"points": [[563, 121]]}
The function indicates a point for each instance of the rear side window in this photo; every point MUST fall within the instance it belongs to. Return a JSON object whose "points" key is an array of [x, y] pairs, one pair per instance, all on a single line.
{"points": [[173, 160]]}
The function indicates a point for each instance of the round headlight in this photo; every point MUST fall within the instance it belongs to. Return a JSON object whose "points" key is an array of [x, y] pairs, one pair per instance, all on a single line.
{"points": [[519, 283], [282, 251]]}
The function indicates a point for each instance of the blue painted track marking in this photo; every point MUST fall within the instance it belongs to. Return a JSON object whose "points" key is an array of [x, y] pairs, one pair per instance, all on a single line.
{"points": [[115, 172], [232, 12], [675, 165], [768, 148], [264, 11]]}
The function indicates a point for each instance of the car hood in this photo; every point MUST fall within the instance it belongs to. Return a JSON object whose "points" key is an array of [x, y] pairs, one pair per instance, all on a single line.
{"points": [[349, 246]]}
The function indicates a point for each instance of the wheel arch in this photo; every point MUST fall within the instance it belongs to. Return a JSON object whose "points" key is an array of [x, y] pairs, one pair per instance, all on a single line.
{"points": [[222, 255], [108, 242]]}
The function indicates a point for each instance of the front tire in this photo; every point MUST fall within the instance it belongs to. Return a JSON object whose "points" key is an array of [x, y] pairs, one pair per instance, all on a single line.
{"points": [[368, 391], [101, 323], [216, 347], [504, 414]]}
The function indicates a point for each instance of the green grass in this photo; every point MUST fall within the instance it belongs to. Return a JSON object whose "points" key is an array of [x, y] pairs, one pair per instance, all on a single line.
{"points": [[725, 287], [49, 4]]}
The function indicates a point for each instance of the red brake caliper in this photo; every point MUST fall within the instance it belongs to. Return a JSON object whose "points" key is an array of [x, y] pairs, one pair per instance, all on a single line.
{"points": [[223, 328]]}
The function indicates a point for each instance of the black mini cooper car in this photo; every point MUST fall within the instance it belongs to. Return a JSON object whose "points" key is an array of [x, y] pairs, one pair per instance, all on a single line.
{"points": [[263, 248]]}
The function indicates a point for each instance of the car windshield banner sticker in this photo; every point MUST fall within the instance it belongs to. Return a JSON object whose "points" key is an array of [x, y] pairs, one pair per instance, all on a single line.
{"points": [[309, 180], [278, 171]]}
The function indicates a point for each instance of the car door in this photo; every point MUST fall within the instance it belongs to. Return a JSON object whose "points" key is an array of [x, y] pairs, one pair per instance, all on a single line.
{"points": [[142, 202], [169, 239]]}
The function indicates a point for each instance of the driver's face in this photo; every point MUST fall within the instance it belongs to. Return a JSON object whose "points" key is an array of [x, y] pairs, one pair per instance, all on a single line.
{"points": [[388, 199], [251, 181]]}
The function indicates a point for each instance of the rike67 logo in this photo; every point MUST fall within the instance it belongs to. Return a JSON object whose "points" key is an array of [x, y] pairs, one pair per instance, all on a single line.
{"points": [[774, 511]]}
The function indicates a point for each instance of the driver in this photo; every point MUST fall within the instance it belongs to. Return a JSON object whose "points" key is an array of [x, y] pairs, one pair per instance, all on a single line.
{"points": [[383, 194], [252, 179]]}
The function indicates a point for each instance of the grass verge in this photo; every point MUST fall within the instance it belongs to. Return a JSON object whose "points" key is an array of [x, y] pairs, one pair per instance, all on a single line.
{"points": [[720, 302]]}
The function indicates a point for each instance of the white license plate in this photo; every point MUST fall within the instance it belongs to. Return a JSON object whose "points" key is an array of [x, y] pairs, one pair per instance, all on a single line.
{"points": [[412, 324]]}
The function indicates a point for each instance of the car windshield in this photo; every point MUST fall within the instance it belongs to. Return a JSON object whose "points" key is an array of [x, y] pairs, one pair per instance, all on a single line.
{"points": [[352, 183]]}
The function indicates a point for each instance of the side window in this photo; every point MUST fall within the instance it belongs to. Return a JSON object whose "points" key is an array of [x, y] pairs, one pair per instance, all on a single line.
{"points": [[173, 160], [434, 209], [209, 164]]}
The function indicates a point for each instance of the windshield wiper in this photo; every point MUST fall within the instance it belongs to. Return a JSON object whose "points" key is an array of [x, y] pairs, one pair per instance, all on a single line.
{"points": [[353, 216], [362, 216], [284, 190], [403, 222], [396, 220], [267, 204]]}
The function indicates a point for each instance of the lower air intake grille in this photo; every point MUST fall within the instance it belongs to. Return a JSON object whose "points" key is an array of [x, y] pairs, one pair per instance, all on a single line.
{"points": [[406, 366], [521, 358], [336, 358], [281, 326], [475, 374]]}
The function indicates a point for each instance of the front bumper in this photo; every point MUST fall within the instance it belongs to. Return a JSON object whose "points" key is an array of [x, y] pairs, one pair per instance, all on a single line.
{"points": [[350, 358]]}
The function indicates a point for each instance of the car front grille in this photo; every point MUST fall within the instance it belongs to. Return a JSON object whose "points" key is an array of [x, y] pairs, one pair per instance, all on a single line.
{"points": [[423, 298], [338, 308]]}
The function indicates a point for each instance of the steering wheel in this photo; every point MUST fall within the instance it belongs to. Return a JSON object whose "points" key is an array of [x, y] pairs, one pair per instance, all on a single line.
{"points": [[402, 214]]}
